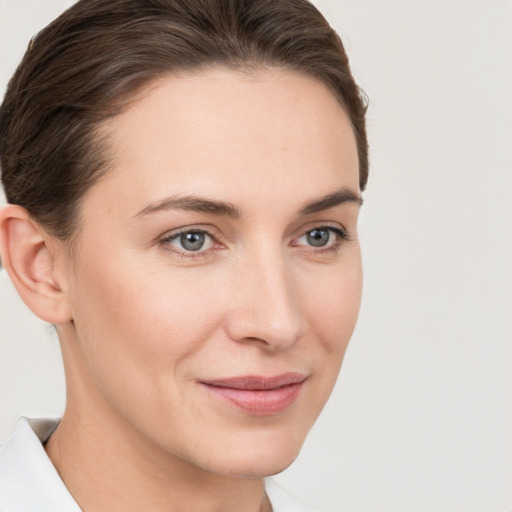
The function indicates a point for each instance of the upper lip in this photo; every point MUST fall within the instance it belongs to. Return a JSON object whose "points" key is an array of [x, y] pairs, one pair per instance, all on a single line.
{"points": [[258, 383]]}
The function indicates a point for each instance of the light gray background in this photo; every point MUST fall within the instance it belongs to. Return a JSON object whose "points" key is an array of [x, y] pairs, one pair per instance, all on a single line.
{"points": [[421, 419]]}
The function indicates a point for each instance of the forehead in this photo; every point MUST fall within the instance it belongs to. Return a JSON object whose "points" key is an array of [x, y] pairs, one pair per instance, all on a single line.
{"points": [[230, 135]]}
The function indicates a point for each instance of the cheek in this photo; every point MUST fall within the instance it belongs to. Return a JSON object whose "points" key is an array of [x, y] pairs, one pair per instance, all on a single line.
{"points": [[333, 304], [141, 320], [332, 314]]}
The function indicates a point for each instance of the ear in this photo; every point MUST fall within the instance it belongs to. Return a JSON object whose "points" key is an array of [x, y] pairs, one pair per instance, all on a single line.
{"points": [[31, 265]]}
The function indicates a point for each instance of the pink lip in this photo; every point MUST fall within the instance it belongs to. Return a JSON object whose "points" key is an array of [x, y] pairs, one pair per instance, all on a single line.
{"points": [[259, 395]]}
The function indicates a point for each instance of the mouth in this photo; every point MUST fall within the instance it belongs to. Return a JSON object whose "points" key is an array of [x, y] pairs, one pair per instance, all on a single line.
{"points": [[257, 395]]}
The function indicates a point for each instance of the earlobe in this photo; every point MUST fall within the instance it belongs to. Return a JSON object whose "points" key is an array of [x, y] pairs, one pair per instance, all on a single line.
{"points": [[31, 265]]}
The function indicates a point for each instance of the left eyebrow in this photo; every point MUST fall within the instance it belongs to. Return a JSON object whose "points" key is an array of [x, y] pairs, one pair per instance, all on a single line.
{"points": [[343, 195]]}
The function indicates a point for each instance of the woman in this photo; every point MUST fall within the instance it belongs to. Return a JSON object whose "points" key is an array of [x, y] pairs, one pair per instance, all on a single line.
{"points": [[184, 181]]}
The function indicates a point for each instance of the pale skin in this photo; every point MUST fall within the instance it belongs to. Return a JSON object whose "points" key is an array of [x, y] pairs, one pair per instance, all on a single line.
{"points": [[255, 168]]}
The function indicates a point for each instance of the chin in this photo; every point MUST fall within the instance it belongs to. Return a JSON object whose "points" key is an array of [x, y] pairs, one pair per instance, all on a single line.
{"points": [[260, 456], [259, 467]]}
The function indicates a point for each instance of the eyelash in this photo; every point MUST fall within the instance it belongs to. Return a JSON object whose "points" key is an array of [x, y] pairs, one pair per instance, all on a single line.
{"points": [[341, 237]]}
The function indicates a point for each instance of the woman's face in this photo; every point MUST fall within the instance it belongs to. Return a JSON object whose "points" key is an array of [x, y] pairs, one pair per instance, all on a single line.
{"points": [[217, 278]]}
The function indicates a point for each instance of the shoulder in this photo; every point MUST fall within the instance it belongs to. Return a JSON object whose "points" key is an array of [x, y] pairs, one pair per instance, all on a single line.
{"points": [[28, 480]]}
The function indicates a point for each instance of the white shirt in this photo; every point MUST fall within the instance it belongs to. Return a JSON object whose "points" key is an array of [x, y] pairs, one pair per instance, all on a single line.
{"points": [[30, 483]]}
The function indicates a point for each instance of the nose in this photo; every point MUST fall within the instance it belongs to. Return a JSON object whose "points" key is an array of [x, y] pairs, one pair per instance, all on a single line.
{"points": [[266, 307]]}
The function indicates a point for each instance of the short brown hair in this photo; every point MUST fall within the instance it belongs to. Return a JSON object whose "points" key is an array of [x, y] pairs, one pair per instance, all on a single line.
{"points": [[81, 68]]}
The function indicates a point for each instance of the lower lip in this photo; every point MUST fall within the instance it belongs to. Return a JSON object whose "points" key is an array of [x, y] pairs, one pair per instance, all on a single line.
{"points": [[259, 402]]}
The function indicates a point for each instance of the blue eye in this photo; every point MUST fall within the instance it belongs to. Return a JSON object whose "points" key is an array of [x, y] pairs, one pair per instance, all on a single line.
{"points": [[318, 237], [323, 238], [191, 241]]}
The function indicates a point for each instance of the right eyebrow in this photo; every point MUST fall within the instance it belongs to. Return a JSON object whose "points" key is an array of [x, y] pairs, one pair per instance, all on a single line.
{"points": [[343, 195], [192, 203]]}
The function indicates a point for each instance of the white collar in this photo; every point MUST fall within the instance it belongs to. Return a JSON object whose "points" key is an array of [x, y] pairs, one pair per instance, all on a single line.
{"points": [[30, 483]]}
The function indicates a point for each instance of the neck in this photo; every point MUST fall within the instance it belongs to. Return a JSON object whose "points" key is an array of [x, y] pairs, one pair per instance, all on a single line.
{"points": [[110, 468], [107, 464]]}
